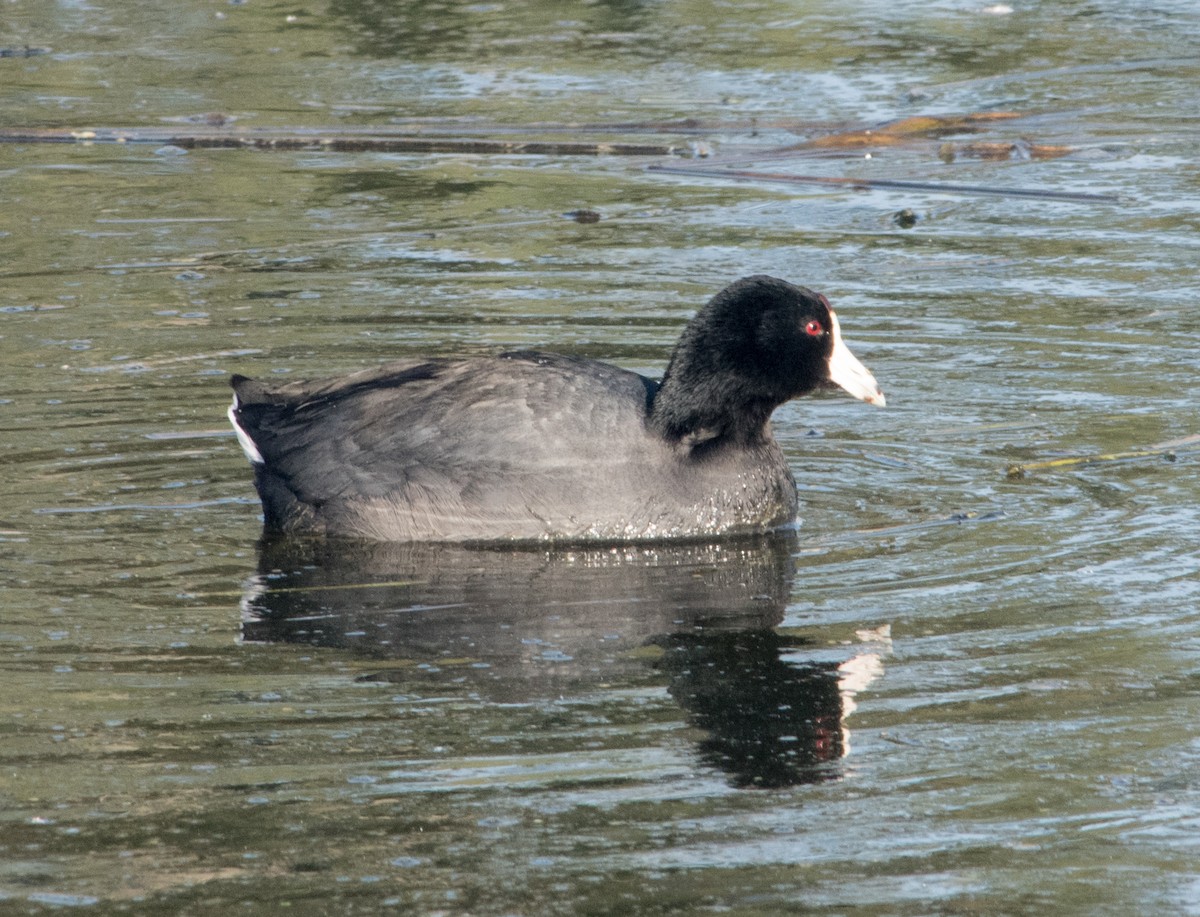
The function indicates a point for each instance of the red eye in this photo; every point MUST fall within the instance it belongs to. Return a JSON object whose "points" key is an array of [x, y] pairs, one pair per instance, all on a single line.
{"points": [[814, 328]]}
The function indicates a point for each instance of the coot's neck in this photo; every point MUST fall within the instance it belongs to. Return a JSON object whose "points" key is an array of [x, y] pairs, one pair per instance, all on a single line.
{"points": [[693, 409]]}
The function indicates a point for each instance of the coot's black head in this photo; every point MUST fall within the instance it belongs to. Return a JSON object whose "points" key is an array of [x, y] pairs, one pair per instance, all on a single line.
{"points": [[758, 343]]}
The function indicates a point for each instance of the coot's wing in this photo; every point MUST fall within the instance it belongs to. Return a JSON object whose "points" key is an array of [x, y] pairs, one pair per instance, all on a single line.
{"points": [[442, 436]]}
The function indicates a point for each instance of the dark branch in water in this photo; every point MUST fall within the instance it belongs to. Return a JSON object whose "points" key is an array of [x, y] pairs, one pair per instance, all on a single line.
{"points": [[339, 142]]}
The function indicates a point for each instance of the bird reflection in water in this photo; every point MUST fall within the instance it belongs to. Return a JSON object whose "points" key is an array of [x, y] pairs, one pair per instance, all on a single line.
{"points": [[774, 717], [560, 622]]}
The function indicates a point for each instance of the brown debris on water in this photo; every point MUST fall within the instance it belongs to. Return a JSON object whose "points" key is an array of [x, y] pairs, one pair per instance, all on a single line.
{"points": [[1002, 151]]}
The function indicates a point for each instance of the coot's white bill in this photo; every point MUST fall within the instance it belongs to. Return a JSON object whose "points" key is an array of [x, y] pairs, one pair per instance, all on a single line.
{"points": [[846, 371]]}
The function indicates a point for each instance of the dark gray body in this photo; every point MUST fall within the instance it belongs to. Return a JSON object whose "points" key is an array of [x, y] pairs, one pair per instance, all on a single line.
{"points": [[522, 446]]}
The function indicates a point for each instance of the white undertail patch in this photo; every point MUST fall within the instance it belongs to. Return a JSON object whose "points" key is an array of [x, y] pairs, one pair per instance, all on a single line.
{"points": [[243, 437]]}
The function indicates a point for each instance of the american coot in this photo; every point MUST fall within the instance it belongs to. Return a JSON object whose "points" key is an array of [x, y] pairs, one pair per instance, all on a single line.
{"points": [[529, 445]]}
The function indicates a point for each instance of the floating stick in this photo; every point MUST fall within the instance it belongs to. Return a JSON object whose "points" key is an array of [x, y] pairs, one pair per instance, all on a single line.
{"points": [[340, 141]]}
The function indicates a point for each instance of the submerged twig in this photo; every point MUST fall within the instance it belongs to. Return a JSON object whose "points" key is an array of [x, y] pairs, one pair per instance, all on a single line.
{"points": [[866, 184], [1166, 451]]}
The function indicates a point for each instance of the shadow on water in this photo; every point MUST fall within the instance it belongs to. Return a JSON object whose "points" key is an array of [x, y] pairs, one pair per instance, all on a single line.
{"points": [[531, 624]]}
